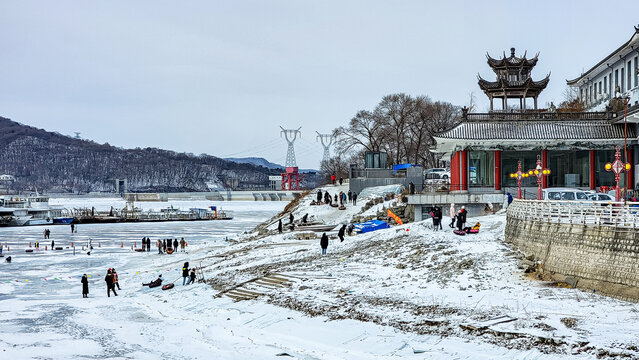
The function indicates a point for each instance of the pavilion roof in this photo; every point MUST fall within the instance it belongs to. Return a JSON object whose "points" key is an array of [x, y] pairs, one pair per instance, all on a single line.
{"points": [[505, 84], [537, 130], [512, 61]]}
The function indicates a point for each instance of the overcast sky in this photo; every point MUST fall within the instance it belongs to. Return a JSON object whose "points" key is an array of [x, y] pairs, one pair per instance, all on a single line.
{"points": [[221, 77]]}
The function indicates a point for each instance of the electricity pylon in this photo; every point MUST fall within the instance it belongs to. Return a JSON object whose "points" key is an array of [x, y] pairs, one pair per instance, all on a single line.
{"points": [[326, 140], [291, 136]]}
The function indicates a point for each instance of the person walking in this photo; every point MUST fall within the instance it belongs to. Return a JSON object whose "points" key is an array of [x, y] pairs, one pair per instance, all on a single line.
{"points": [[192, 278], [291, 218], [439, 216], [333, 178], [44, 233], [85, 286], [175, 244], [115, 279], [159, 244], [452, 215], [279, 226], [182, 243], [52, 244], [72, 228], [354, 199], [109, 283], [324, 243], [185, 272], [319, 196], [341, 180], [350, 196], [341, 232]]}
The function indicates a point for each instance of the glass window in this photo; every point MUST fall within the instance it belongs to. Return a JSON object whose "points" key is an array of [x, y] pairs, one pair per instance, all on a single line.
{"points": [[567, 196], [554, 195], [606, 84], [481, 168], [636, 70], [616, 79], [582, 196], [629, 74], [509, 165], [569, 168], [622, 81]]}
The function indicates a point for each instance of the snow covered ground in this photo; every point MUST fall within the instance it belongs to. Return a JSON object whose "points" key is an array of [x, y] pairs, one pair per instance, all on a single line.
{"points": [[406, 292]]}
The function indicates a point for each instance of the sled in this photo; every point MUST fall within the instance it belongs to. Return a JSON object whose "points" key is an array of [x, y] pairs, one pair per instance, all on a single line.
{"points": [[473, 231], [59, 248], [168, 286], [342, 207], [334, 205], [169, 251], [459, 232], [139, 250], [29, 250]]}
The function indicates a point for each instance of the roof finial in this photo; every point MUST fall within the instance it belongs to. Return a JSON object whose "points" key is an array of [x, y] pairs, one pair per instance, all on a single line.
{"points": [[512, 51]]}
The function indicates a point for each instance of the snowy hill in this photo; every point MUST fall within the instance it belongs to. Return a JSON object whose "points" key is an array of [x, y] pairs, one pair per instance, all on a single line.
{"points": [[258, 161]]}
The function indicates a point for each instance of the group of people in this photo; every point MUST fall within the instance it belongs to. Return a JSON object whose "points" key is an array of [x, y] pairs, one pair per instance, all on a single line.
{"points": [[340, 234], [46, 233], [166, 245], [111, 280], [436, 215], [188, 274], [458, 219], [333, 178], [343, 198]]}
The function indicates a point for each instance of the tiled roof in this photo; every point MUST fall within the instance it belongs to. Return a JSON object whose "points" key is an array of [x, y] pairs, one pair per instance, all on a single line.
{"points": [[537, 130]]}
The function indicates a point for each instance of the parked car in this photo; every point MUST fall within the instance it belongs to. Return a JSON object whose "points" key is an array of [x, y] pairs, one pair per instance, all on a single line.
{"points": [[443, 173], [566, 194], [601, 197], [437, 178]]}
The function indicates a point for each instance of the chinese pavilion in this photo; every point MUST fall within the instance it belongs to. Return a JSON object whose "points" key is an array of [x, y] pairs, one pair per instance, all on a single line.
{"points": [[484, 148], [513, 80]]}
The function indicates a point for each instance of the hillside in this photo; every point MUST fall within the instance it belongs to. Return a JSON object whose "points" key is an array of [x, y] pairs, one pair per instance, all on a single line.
{"points": [[50, 161], [258, 161]]}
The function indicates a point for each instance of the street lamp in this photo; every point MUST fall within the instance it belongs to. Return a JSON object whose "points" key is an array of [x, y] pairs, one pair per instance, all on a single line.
{"points": [[519, 175], [539, 171], [617, 167]]}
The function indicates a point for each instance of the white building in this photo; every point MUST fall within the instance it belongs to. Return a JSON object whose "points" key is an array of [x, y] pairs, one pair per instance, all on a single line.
{"points": [[617, 75]]}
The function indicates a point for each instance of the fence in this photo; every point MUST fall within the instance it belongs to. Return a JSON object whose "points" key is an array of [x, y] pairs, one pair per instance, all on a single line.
{"points": [[617, 214]]}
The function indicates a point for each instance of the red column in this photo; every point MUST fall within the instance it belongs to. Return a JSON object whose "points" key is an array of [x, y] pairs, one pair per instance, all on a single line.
{"points": [[454, 171], [463, 173], [497, 169], [592, 170], [544, 164], [630, 176]]}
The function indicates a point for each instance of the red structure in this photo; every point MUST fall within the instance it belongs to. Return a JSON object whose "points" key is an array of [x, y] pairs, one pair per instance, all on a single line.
{"points": [[291, 179], [519, 175], [540, 172], [617, 167]]}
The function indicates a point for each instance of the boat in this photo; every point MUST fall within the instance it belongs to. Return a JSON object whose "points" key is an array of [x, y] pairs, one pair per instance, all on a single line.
{"points": [[315, 228], [63, 220], [28, 210]]}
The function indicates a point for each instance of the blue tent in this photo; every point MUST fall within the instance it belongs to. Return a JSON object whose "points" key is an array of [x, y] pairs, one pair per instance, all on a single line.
{"points": [[371, 225]]}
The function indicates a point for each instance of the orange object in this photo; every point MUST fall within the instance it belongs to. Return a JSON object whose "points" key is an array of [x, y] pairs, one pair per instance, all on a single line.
{"points": [[397, 219], [122, 244], [71, 243]]}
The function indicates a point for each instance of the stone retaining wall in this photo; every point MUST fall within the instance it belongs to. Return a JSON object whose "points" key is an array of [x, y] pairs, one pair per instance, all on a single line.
{"points": [[601, 258]]}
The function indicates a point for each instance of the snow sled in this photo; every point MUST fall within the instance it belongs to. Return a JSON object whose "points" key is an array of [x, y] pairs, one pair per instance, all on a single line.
{"points": [[59, 248], [139, 250], [334, 205], [167, 286], [459, 232], [342, 208], [29, 250], [169, 251], [473, 231]]}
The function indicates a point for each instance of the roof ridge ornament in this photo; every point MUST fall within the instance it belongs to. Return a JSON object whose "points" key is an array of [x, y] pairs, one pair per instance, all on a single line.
{"points": [[512, 52]]}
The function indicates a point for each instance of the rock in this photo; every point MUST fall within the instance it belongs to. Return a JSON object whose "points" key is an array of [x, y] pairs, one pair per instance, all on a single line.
{"points": [[401, 266]]}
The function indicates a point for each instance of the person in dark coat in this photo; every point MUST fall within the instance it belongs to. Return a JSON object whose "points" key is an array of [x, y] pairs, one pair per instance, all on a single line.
{"points": [[291, 218], [438, 217], [175, 244], [116, 280], [335, 199], [72, 227], [327, 198], [354, 199], [350, 196], [464, 214], [324, 243], [148, 244], [341, 180], [52, 244], [279, 226], [85, 286], [319, 196], [432, 216], [109, 283], [460, 220], [304, 218], [155, 283], [350, 229], [164, 244], [182, 244], [341, 198], [192, 278], [185, 272], [340, 233]]}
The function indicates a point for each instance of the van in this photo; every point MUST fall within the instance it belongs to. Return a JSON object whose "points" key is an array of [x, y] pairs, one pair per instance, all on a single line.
{"points": [[566, 194]]}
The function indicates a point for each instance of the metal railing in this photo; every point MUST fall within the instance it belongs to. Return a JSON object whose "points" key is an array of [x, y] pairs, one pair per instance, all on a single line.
{"points": [[617, 214], [538, 115]]}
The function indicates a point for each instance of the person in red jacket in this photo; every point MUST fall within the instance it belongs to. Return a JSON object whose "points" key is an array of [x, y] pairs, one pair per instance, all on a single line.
{"points": [[333, 179]]}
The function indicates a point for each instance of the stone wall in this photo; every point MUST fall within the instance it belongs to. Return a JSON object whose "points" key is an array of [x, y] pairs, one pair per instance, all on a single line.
{"points": [[601, 258]]}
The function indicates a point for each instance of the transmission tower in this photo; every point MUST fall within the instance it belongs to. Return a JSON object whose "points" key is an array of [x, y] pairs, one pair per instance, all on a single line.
{"points": [[326, 140], [77, 135], [290, 136]]}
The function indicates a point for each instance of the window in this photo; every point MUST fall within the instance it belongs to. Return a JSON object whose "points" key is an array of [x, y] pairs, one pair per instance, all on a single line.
{"points": [[606, 84], [581, 196], [554, 195], [567, 196], [622, 82], [629, 75], [600, 88], [481, 168], [616, 80], [636, 71], [569, 168]]}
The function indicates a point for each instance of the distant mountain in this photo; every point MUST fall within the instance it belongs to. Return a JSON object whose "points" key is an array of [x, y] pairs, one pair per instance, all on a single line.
{"points": [[49, 161], [258, 161]]}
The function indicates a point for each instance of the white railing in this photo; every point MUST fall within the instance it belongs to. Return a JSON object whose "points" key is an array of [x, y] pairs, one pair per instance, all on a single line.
{"points": [[617, 214]]}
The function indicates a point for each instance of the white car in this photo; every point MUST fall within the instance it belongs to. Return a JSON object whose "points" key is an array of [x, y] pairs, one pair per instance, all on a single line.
{"points": [[441, 172]]}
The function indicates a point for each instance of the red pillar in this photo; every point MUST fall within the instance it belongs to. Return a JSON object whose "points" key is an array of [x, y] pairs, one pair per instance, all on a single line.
{"points": [[463, 173], [630, 176], [544, 164], [497, 169], [454, 171], [592, 170]]}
